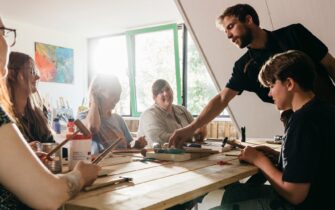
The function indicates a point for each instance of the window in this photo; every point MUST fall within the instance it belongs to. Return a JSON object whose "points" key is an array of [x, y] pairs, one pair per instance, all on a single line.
{"points": [[199, 89], [139, 57], [109, 56], [155, 56]]}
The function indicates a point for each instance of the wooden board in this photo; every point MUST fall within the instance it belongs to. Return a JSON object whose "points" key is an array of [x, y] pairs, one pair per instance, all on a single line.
{"points": [[199, 150], [169, 157], [164, 192], [161, 185], [192, 153], [115, 159]]}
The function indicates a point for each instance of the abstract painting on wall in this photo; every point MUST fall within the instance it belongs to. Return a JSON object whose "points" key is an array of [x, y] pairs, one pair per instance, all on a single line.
{"points": [[55, 63]]}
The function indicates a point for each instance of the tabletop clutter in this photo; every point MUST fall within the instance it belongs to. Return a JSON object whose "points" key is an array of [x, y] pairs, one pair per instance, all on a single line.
{"points": [[80, 140]]}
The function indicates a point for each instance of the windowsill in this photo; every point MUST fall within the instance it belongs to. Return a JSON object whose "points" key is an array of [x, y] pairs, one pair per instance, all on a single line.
{"points": [[130, 118], [218, 119], [222, 119]]}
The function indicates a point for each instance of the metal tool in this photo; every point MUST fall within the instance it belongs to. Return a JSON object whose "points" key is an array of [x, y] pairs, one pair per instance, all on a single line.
{"points": [[243, 134], [106, 152], [232, 143], [81, 128], [225, 141], [112, 182]]}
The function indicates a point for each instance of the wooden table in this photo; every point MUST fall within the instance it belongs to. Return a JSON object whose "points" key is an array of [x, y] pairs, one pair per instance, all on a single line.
{"points": [[162, 185]]}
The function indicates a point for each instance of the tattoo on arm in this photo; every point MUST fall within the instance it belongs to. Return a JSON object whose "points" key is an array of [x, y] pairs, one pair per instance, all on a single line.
{"points": [[73, 183]]}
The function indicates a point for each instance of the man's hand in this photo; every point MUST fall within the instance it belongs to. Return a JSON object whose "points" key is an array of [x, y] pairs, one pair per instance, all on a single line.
{"points": [[89, 172], [256, 155], [270, 153], [200, 134], [250, 155], [180, 136], [140, 143]]}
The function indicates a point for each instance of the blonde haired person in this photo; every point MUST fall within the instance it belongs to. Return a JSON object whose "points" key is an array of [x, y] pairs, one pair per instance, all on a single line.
{"points": [[106, 126], [25, 181]]}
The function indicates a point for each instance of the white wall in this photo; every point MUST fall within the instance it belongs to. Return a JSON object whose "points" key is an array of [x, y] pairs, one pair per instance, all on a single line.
{"points": [[260, 119], [28, 34]]}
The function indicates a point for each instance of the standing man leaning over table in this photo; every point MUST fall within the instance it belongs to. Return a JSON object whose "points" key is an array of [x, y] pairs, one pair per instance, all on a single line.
{"points": [[241, 24]]}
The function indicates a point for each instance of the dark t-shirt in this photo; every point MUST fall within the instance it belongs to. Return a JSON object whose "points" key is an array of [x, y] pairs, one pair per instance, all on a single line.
{"points": [[292, 37], [7, 199], [307, 152]]}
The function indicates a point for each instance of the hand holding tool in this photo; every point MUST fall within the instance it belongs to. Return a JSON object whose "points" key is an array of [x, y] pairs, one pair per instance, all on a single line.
{"points": [[106, 152], [115, 181]]}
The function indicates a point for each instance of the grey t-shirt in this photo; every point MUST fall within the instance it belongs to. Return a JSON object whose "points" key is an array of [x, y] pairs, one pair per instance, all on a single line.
{"points": [[157, 125]]}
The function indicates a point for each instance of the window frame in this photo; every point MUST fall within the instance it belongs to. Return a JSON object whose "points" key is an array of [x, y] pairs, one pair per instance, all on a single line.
{"points": [[130, 37], [181, 79]]}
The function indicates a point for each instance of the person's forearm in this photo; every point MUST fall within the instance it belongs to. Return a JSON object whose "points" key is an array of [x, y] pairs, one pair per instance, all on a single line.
{"points": [[275, 177], [38, 181], [211, 110], [93, 118], [74, 183]]}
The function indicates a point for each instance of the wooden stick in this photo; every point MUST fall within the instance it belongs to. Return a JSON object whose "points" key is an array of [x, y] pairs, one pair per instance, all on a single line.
{"points": [[106, 152], [81, 128], [116, 181], [116, 151], [234, 155]]}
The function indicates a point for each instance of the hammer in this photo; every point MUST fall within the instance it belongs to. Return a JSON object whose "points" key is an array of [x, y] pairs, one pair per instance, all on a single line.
{"points": [[232, 143], [115, 181], [81, 128]]}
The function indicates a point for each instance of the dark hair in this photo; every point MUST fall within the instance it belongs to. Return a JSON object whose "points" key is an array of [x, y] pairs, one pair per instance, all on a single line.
{"points": [[33, 124], [241, 11], [158, 86], [291, 64]]}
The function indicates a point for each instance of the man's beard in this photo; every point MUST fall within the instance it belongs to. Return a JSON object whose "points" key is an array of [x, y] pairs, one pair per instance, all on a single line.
{"points": [[246, 38]]}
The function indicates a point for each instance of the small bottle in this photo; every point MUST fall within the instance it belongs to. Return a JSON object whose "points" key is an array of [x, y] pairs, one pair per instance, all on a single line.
{"points": [[70, 126], [54, 165], [56, 125]]}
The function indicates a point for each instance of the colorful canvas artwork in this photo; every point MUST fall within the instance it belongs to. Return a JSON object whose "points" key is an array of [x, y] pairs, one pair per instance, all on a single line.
{"points": [[54, 63]]}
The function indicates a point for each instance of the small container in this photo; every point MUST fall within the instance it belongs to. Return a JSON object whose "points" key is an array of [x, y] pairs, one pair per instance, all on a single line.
{"points": [[70, 126], [55, 165], [56, 125], [278, 138], [80, 149]]}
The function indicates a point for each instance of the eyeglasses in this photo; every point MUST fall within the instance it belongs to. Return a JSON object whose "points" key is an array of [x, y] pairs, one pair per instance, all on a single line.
{"points": [[10, 35], [34, 72]]}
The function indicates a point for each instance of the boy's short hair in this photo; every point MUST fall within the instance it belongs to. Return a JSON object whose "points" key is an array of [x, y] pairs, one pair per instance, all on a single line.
{"points": [[240, 11], [290, 64]]}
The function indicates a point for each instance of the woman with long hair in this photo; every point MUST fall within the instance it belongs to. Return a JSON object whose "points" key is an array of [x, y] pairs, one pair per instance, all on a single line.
{"points": [[25, 182], [28, 107]]}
